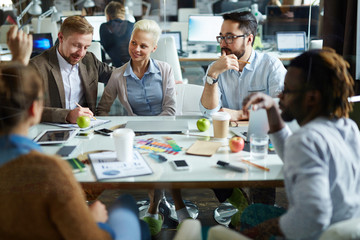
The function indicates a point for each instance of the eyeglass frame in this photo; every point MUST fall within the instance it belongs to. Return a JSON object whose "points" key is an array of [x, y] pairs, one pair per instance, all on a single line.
{"points": [[227, 38]]}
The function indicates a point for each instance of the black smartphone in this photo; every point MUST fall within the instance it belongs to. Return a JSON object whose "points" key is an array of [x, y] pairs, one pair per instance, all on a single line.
{"points": [[65, 151], [104, 131]]}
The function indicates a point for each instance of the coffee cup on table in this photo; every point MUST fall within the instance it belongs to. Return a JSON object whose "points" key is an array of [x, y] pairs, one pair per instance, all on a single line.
{"points": [[124, 143], [221, 124]]}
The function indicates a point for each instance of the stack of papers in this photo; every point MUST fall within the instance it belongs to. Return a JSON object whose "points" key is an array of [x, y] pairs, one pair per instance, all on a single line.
{"points": [[106, 166], [93, 123]]}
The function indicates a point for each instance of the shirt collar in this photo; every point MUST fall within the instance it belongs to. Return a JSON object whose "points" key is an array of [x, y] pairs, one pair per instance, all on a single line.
{"points": [[15, 145], [250, 66], [153, 68], [64, 65]]}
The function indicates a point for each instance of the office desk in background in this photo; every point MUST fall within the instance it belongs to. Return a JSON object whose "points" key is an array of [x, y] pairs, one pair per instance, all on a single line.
{"points": [[210, 57], [203, 172]]}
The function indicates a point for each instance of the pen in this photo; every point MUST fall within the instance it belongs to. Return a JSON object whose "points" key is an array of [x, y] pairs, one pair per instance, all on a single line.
{"points": [[231, 167], [255, 165], [244, 61], [102, 133], [81, 107], [158, 157]]}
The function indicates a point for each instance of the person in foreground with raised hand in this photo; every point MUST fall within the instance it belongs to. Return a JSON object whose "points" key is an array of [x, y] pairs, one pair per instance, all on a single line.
{"points": [[20, 44], [40, 197], [321, 159]]}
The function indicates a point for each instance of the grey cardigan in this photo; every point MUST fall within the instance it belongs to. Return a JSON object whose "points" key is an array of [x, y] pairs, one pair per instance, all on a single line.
{"points": [[117, 87]]}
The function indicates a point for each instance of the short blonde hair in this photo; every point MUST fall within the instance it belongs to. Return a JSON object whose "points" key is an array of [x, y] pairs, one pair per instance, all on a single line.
{"points": [[149, 26]]}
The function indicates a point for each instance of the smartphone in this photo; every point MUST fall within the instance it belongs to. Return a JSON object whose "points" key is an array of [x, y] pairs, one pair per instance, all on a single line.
{"points": [[65, 151], [104, 131], [180, 165]]}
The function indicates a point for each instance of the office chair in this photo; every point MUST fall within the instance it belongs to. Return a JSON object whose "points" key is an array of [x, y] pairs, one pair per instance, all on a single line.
{"points": [[188, 98], [166, 51], [95, 48]]}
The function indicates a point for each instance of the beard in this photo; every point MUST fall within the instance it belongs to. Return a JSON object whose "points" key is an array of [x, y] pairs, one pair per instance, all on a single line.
{"points": [[238, 54]]}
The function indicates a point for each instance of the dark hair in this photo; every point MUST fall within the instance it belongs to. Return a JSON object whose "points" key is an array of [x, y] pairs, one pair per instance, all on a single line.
{"points": [[76, 24], [327, 71], [115, 10], [20, 86], [247, 22]]}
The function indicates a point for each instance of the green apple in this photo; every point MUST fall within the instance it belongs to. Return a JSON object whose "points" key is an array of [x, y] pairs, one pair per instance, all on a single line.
{"points": [[203, 124], [83, 121]]}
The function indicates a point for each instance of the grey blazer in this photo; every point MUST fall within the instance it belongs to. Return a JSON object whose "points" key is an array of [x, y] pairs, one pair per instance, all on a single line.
{"points": [[117, 87], [91, 72]]}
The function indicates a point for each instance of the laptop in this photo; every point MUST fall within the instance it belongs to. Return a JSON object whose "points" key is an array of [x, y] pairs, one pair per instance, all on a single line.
{"points": [[159, 127], [258, 124], [178, 41], [290, 42], [41, 42]]}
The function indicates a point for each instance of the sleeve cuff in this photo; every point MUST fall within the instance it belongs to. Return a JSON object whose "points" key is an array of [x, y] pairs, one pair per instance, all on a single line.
{"points": [[106, 228]]}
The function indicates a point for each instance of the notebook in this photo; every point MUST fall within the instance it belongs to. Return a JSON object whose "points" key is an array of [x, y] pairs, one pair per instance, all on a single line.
{"points": [[291, 41], [93, 123], [158, 127], [258, 124]]}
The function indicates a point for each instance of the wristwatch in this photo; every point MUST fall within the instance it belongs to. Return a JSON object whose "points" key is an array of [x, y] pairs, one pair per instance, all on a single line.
{"points": [[210, 80]]}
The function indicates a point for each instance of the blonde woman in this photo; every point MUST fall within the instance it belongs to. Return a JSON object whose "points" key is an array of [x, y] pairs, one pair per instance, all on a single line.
{"points": [[144, 86]]}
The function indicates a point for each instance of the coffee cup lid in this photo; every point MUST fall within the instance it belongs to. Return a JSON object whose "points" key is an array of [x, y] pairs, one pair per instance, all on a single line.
{"points": [[221, 116]]}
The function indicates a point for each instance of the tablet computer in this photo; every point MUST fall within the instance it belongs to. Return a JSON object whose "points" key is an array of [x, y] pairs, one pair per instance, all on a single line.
{"points": [[55, 136]]}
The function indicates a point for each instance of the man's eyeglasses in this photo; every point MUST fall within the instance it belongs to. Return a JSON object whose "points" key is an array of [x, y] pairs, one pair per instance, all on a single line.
{"points": [[229, 39]]}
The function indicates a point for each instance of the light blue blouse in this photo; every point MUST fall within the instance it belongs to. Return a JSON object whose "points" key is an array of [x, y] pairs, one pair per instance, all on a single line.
{"points": [[145, 95]]}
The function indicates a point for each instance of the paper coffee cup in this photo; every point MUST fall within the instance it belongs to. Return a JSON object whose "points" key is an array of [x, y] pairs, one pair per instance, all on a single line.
{"points": [[124, 141], [221, 124]]}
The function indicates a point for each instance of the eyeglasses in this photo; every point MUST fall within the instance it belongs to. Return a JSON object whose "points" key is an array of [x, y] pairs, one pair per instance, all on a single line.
{"points": [[229, 39]]}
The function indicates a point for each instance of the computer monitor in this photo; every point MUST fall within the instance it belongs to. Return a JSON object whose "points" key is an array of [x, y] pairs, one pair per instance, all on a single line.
{"points": [[96, 22], [203, 29], [41, 42], [290, 18], [222, 6]]}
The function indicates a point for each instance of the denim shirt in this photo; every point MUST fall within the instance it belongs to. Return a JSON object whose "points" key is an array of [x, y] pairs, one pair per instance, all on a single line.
{"points": [[264, 74], [145, 95], [12, 146]]}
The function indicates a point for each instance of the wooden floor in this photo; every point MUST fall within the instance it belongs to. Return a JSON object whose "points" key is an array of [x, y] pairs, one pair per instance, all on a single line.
{"points": [[203, 198]]}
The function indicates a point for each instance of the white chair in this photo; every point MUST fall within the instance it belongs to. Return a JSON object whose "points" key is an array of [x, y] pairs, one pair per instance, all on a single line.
{"points": [[183, 13], [46, 26], [166, 52], [188, 98], [347, 229], [182, 27], [95, 48]]}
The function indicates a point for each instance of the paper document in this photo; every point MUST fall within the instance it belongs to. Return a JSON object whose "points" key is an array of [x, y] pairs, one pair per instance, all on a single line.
{"points": [[93, 123], [106, 166]]}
